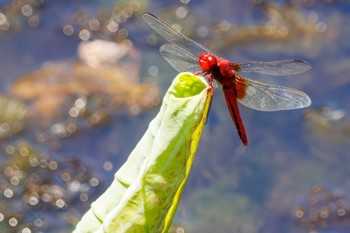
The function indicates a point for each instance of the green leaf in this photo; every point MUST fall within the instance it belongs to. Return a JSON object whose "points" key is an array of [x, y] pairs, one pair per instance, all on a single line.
{"points": [[147, 188]]}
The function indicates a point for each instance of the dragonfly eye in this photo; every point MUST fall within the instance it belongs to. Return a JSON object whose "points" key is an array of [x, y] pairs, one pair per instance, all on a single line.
{"points": [[207, 62]]}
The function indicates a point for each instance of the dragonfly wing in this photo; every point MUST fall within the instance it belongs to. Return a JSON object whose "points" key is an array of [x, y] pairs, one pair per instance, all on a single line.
{"points": [[173, 36], [181, 59], [266, 97], [275, 68]]}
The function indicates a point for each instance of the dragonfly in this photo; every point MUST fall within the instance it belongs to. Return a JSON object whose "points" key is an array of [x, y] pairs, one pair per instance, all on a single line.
{"points": [[187, 55]]}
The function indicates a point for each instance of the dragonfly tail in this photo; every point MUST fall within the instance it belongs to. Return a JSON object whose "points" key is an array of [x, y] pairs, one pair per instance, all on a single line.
{"points": [[231, 101]]}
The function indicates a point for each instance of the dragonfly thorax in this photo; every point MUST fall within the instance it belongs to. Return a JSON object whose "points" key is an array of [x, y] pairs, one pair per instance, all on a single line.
{"points": [[207, 62], [225, 68]]}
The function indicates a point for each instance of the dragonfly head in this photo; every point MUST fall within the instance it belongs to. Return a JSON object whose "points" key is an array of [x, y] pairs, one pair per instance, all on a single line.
{"points": [[207, 62]]}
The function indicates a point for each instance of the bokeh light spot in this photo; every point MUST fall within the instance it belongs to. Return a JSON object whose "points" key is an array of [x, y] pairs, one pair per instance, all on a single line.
{"points": [[94, 182], [13, 222], [10, 149], [24, 151], [84, 34], [27, 10], [153, 70], [74, 112], [60, 203], [84, 197], [14, 180], [94, 24], [8, 193], [341, 212], [224, 25], [112, 26], [181, 12], [80, 103], [3, 19], [184, 1], [68, 30], [26, 230], [107, 166], [33, 200], [65, 176], [53, 165], [123, 33], [152, 40]]}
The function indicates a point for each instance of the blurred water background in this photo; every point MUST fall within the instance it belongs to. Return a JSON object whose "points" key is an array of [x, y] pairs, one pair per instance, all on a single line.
{"points": [[80, 81]]}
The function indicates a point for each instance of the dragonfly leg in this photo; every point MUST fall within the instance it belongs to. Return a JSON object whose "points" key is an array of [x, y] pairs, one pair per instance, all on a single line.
{"points": [[211, 84], [210, 79]]}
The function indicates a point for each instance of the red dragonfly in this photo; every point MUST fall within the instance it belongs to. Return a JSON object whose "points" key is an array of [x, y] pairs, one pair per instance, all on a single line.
{"points": [[185, 54]]}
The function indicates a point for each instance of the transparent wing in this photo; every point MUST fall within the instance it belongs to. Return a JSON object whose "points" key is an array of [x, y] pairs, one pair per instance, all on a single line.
{"points": [[181, 59], [174, 37], [267, 97], [275, 68]]}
